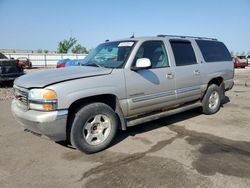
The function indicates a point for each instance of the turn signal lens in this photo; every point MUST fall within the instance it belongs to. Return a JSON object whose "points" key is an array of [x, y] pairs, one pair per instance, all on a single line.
{"points": [[49, 95], [47, 107]]}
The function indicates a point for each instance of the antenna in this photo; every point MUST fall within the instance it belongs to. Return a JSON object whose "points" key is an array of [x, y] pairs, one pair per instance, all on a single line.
{"points": [[133, 36]]}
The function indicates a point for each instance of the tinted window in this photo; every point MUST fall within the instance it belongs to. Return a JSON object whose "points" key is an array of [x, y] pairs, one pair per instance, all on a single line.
{"points": [[155, 51], [183, 53], [213, 51]]}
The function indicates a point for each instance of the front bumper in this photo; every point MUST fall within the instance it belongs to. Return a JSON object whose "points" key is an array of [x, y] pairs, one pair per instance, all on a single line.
{"points": [[51, 124]]}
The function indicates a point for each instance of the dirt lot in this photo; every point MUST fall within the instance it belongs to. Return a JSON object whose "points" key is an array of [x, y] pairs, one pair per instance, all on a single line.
{"points": [[185, 150]]}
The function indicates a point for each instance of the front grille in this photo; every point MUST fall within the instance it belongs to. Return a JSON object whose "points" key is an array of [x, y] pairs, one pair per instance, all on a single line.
{"points": [[21, 95]]}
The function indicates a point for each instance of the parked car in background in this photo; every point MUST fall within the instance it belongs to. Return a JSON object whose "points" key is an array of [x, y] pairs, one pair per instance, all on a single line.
{"points": [[236, 61], [241, 61], [24, 62], [68, 63], [9, 69], [62, 63], [248, 59]]}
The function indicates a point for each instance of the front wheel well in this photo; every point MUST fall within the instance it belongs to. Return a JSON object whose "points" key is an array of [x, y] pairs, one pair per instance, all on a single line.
{"points": [[108, 99]]}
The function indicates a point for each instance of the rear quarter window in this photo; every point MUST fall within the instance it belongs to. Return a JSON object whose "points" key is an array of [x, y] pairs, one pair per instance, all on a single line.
{"points": [[214, 51]]}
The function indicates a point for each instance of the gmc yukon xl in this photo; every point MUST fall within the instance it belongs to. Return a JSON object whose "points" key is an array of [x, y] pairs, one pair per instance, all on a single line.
{"points": [[124, 83]]}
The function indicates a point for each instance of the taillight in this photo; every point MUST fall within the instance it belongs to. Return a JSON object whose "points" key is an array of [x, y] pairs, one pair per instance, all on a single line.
{"points": [[62, 65], [238, 61]]}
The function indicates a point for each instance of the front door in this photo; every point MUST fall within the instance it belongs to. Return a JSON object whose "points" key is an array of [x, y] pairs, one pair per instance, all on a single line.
{"points": [[153, 88]]}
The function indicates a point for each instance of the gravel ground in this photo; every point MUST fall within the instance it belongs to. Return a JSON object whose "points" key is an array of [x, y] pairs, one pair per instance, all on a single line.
{"points": [[6, 92]]}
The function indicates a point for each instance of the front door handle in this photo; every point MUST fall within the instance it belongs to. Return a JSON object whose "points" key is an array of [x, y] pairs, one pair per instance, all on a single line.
{"points": [[197, 72], [170, 75]]}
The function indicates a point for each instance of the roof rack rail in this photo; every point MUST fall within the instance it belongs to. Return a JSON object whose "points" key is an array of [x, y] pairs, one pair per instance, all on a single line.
{"points": [[178, 36]]}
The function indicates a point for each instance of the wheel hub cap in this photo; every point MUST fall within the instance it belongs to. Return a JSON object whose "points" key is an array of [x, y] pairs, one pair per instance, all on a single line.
{"points": [[97, 129], [213, 100]]}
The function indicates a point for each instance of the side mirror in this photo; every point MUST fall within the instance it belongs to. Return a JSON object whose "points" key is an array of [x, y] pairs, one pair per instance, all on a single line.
{"points": [[142, 63]]}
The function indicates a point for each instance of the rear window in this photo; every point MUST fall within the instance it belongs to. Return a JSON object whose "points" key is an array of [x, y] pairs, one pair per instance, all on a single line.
{"points": [[213, 51], [242, 57]]}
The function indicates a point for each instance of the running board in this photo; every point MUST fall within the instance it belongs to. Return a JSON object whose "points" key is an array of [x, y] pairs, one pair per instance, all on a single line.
{"points": [[162, 114]]}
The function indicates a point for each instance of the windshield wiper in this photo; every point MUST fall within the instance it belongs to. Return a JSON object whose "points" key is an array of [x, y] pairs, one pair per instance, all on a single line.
{"points": [[93, 65]]}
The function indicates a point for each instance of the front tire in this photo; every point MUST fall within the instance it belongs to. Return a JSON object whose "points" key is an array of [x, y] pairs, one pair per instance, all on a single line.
{"points": [[212, 100], [94, 128]]}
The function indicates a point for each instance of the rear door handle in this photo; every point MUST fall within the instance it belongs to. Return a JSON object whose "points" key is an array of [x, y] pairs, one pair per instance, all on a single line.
{"points": [[170, 75], [197, 72]]}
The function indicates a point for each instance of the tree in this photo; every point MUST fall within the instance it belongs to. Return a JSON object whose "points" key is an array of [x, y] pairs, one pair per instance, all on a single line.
{"points": [[45, 51], [79, 49], [65, 45]]}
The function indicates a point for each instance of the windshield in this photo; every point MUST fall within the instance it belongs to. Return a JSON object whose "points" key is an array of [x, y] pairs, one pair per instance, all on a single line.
{"points": [[109, 55]]}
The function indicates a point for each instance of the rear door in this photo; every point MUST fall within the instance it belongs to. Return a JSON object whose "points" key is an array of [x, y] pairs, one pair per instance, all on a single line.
{"points": [[187, 70]]}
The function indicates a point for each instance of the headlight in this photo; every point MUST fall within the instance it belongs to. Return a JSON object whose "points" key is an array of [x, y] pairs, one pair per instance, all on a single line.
{"points": [[42, 99]]}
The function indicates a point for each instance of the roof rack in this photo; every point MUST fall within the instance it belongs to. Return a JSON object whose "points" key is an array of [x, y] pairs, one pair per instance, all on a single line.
{"points": [[177, 36]]}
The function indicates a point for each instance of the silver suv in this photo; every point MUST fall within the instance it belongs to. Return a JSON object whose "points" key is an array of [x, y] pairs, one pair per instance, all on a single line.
{"points": [[123, 83]]}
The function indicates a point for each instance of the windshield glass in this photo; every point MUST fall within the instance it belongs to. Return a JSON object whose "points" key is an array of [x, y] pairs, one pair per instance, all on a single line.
{"points": [[109, 55]]}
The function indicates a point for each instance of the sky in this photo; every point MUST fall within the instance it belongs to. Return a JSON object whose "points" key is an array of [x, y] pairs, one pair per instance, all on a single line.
{"points": [[41, 24]]}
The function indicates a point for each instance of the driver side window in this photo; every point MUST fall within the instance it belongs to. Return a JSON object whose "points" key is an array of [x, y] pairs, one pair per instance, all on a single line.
{"points": [[155, 52]]}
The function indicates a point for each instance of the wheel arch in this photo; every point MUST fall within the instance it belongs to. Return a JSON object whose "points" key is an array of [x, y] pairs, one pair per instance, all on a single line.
{"points": [[108, 99], [219, 81]]}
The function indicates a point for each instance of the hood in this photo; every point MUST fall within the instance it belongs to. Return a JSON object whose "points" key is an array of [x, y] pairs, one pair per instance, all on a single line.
{"points": [[47, 77]]}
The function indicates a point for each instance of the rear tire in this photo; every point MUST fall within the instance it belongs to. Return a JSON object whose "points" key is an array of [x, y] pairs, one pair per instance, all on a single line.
{"points": [[94, 128], [211, 102]]}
